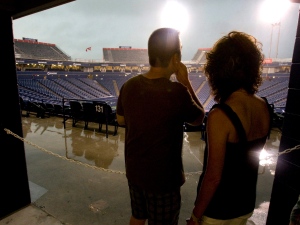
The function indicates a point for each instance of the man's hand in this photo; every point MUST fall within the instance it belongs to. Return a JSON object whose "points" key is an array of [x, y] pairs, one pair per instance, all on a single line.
{"points": [[182, 74]]}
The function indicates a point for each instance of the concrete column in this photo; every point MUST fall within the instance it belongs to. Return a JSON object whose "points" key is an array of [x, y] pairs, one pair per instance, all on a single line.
{"points": [[286, 186], [14, 192]]}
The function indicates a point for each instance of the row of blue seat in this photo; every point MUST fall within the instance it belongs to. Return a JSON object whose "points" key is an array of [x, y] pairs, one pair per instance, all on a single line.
{"points": [[55, 89]]}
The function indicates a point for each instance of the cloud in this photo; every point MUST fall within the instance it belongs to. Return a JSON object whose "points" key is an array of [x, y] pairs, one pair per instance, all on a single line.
{"points": [[111, 23]]}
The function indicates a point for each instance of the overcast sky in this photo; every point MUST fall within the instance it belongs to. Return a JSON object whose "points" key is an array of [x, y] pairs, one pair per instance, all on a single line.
{"points": [[99, 24]]}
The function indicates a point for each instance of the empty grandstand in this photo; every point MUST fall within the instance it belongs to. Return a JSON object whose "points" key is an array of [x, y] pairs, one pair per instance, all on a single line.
{"points": [[199, 56], [32, 49], [46, 75], [125, 55]]}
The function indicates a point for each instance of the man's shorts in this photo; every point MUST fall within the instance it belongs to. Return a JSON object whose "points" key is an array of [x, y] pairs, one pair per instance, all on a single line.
{"points": [[159, 209]]}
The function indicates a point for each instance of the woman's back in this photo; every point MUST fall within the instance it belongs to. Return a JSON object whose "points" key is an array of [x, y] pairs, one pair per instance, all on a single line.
{"points": [[227, 186], [253, 113]]}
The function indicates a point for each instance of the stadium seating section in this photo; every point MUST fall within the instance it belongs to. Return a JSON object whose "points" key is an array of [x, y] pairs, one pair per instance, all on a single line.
{"points": [[54, 93], [125, 55], [42, 51], [106, 87]]}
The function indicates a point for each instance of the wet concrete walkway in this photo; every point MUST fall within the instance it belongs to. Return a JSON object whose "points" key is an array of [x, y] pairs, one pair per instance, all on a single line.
{"points": [[77, 177]]}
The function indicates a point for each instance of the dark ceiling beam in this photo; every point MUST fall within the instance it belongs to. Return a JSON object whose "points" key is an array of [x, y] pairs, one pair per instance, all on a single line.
{"points": [[21, 8]]}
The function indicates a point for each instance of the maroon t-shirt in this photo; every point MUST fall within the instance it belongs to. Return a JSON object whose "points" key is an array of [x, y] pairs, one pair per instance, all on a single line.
{"points": [[155, 111]]}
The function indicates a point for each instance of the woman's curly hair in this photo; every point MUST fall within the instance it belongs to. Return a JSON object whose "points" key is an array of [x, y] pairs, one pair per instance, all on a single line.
{"points": [[235, 61]]}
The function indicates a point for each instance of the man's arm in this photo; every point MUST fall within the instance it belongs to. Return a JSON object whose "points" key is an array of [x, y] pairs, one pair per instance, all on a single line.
{"points": [[182, 77]]}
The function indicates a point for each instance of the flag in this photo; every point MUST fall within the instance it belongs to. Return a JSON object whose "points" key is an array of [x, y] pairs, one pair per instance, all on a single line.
{"points": [[88, 49]]}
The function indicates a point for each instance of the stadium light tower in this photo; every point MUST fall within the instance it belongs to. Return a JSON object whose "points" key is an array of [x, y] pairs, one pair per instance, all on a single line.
{"points": [[279, 24], [274, 25], [272, 11]]}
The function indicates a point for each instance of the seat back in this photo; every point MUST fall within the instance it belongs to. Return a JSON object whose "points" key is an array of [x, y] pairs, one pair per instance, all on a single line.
{"points": [[101, 111], [76, 111], [89, 112], [105, 115], [76, 107]]}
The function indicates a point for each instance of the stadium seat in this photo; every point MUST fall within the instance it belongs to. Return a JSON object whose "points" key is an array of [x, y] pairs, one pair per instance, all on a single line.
{"points": [[89, 113], [36, 108], [49, 109], [105, 115], [76, 112], [24, 107]]}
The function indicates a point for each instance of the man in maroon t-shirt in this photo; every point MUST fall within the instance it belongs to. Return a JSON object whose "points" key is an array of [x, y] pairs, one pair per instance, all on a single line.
{"points": [[154, 109]]}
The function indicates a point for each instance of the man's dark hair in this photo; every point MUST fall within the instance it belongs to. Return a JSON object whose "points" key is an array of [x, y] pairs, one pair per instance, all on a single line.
{"points": [[235, 61], [163, 43]]}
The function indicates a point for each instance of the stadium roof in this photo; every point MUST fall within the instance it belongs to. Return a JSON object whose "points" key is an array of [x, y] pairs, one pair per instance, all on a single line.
{"points": [[21, 8], [199, 56]]}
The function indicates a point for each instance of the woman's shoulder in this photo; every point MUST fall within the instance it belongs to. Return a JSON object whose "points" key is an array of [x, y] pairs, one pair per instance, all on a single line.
{"points": [[247, 104], [218, 115], [254, 114]]}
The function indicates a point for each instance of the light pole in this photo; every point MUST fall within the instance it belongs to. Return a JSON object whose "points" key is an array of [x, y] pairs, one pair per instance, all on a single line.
{"points": [[271, 39], [279, 25], [272, 12]]}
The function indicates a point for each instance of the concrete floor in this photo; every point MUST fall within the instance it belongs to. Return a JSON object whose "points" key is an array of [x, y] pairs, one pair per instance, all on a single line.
{"points": [[76, 176]]}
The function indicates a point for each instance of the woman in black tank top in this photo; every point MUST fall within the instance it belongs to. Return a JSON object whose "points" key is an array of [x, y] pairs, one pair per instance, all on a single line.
{"points": [[237, 129]]}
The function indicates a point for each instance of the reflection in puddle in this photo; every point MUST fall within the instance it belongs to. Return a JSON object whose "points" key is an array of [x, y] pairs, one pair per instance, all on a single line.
{"points": [[75, 143], [98, 206], [264, 158], [260, 214], [269, 154], [91, 147]]}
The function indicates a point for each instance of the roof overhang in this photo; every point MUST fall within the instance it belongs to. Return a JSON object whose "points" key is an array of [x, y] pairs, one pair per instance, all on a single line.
{"points": [[21, 8]]}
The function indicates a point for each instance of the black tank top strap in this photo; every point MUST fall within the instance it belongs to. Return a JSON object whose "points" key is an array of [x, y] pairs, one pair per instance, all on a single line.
{"points": [[234, 119]]}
